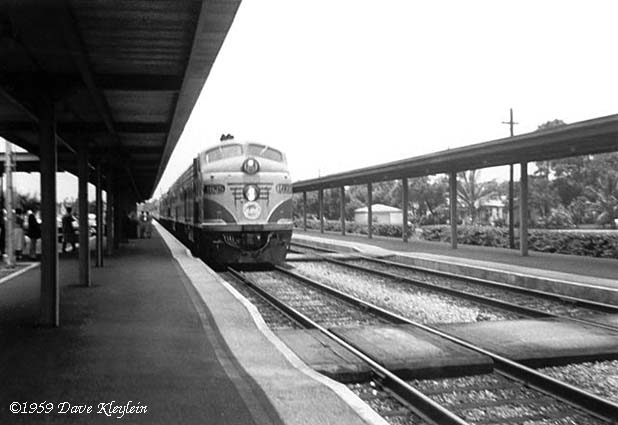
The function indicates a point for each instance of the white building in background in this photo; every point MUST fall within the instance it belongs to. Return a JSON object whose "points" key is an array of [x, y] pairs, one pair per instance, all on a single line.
{"points": [[491, 211], [381, 214]]}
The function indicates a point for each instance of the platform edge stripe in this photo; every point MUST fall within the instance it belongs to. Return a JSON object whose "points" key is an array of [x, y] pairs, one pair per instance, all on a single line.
{"points": [[19, 272], [362, 409]]}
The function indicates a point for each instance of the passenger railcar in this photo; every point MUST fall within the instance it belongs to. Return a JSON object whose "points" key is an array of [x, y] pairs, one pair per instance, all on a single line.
{"points": [[233, 205]]}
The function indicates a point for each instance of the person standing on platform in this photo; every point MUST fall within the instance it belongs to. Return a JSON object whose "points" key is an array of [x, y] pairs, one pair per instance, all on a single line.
{"points": [[34, 233], [18, 234], [68, 231], [2, 231], [141, 225], [148, 225]]}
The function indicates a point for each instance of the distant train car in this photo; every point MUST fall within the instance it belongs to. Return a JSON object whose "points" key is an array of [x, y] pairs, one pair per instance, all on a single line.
{"points": [[233, 205]]}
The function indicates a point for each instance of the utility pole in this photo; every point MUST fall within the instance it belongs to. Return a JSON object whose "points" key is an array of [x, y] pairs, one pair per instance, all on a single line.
{"points": [[511, 191], [8, 205]]}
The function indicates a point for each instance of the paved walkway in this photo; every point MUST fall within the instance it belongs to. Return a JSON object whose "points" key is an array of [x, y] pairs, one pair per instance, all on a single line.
{"points": [[599, 268], [134, 337]]}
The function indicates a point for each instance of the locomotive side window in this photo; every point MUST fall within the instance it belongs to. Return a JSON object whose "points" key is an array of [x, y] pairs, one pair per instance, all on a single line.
{"points": [[222, 152], [264, 152]]}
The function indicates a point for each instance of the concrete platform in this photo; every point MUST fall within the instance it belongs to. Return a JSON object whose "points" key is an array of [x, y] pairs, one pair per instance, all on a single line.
{"points": [[340, 244], [132, 337], [540, 343], [301, 257], [590, 278], [150, 332], [412, 353], [324, 355]]}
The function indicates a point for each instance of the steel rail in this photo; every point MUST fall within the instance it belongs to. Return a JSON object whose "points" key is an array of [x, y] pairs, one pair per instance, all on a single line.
{"points": [[590, 403], [421, 405], [533, 312], [528, 311], [579, 302], [268, 301], [450, 291]]}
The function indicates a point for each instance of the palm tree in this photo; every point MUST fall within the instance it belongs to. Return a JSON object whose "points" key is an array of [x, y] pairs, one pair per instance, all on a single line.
{"points": [[471, 192], [605, 195]]}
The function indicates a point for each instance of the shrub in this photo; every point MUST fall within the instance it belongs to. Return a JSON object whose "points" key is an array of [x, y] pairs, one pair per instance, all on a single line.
{"points": [[594, 244], [559, 218], [391, 230]]}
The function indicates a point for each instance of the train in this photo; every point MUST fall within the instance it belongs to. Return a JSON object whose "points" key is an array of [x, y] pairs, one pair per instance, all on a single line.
{"points": [[232, 205]]}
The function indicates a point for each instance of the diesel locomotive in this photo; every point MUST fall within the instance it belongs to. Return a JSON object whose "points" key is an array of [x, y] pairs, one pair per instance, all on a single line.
{"points": [[233, 205]]}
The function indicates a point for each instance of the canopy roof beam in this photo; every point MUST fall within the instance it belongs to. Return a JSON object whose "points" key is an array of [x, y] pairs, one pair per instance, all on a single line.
{"points": [[27, 110], [91, 127], [79, 54]]}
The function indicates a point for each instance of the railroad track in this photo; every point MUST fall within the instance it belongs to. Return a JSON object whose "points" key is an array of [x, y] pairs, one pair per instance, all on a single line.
{"points": [[527, 302], [523, 394], [391, 387]]}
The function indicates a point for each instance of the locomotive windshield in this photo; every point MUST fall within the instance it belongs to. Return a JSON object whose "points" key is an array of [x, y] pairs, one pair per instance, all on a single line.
{"points": [[264, 152], [222, 152], [231, 150]]}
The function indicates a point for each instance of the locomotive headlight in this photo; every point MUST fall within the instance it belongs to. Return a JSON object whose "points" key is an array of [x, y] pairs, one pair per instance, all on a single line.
{"points": [[251, 166], [251, 192]]}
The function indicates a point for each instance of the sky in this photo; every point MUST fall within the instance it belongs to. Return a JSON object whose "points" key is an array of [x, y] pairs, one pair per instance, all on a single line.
{"points": [[30, 183], [343, 84], [340, 84]]}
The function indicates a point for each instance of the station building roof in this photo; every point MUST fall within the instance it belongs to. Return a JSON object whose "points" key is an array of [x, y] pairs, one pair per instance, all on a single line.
{"points": [[378, 208], [586, 137], [123, 75]]}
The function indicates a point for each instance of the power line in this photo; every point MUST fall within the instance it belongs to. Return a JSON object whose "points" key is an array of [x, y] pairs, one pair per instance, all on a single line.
{"points": [[511, 123]]}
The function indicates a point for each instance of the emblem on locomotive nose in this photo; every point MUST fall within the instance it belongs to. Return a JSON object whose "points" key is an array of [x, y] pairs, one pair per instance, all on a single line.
{"points": [[251, 210], [251, 166]]}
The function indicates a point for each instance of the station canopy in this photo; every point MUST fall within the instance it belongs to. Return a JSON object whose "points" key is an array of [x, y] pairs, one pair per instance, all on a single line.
{"points": [[123, 76], [593, 136]]}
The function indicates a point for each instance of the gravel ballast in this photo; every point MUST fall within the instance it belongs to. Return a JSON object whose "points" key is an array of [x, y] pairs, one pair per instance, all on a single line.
{"points": [[600, 378], [479, 399], [272, 316], [393, 411], [322, 308], [495, 399], [552, 306], [415, 304]]}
